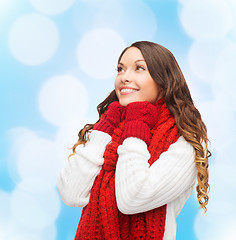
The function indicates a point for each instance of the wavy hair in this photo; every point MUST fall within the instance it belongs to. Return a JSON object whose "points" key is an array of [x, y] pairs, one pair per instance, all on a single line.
{"points": [[166, 72]]}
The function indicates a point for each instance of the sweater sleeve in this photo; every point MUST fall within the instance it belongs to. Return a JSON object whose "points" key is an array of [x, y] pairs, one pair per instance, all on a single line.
{"points": [[77, 177], [140, 187]]}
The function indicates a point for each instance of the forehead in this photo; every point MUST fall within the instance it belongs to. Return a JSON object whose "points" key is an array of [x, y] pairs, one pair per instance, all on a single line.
{"points": [[132, 54]]}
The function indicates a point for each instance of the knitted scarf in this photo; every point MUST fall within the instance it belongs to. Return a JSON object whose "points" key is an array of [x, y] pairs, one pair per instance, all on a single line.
{"points": [[101, 219]]}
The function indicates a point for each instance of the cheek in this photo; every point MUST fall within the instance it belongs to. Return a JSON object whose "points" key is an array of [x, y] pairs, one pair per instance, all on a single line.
{"points": [[151, 91], [116, 85]]}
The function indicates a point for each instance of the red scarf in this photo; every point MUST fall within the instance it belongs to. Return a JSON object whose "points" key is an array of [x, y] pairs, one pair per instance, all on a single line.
{"points": [[101, 218]]}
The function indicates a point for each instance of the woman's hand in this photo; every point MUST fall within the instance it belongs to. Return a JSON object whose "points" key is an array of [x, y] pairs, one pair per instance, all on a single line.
{"points": [[142, 111], [114, 114], [140, 118]]}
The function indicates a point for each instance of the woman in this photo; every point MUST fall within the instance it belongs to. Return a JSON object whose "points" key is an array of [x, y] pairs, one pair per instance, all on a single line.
{"points": [[135, 168]]}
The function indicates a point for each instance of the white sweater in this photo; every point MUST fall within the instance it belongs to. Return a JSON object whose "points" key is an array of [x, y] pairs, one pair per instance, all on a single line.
{"points": [[139, 187]]}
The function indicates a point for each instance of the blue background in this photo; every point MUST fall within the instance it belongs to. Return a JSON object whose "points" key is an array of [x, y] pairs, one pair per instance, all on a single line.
{"points": [[34, 72]]}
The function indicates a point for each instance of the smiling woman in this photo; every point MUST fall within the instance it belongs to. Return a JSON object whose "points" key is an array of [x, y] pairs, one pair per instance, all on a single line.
{"points": [[135, 168], [133, 81]]}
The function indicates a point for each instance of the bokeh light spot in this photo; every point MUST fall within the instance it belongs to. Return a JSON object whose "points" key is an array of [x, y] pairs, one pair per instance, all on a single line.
{"points": [[33, 39]]}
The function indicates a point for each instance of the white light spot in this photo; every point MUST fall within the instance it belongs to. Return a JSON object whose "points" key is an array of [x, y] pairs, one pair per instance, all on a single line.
{"points": [[98, 52], [3, 4], [5, 210], [225, 74], [38, 164], [33, 39], [52, 6], [206, 19], [1, 234], [118, 16], [110, 14], [63, 98], [202, 57], [182, 1], [219, 132], [222, 171], [67, 135], [92, 1], [15, 230], [35, 211], [211, 226], [131, 25], [49, 233], [25, 236], [19, 137]]}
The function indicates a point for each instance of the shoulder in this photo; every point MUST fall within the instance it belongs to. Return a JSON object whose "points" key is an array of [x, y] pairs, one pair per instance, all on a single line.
{"points": [[182, 145], [179, 154]]}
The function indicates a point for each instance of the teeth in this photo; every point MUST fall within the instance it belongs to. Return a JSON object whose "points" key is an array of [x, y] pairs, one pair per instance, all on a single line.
{"points": [[128, 90]]}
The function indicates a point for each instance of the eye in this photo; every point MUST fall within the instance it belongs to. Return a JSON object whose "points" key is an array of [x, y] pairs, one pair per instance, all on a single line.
{"points": [[138, 67], [119, 69]]}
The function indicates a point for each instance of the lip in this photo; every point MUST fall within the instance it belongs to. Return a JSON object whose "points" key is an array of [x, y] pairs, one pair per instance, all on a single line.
{"points": [[126, 87], [126, 93]]}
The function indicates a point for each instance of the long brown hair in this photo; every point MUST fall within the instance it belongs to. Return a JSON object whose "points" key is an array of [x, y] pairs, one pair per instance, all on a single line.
{"points": [[166, 72]]}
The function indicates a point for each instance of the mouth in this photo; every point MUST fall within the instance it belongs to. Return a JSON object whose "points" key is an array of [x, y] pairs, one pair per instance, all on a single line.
{"points": [[125, 91]]}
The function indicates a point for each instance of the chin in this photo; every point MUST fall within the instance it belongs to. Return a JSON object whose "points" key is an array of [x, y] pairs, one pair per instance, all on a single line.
{"points": [[125, 102]]}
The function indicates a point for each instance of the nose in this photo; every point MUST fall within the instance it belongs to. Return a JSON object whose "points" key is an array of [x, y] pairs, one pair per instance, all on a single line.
{"points": [[126, 77], [125, 80]]}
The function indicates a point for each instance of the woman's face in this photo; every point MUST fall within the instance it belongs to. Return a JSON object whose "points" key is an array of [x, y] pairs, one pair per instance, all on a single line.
{"points": [[133, 82]]}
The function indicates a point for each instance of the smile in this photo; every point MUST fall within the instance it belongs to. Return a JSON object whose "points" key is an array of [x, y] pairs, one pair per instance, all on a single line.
{"points": [[126, 91]]}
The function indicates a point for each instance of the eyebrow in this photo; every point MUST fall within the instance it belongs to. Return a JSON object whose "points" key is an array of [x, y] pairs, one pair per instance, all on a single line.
{"points": [[135, 61]]}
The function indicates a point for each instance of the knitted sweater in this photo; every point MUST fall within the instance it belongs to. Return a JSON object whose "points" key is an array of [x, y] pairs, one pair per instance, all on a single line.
{"points": [[167, 181]]}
